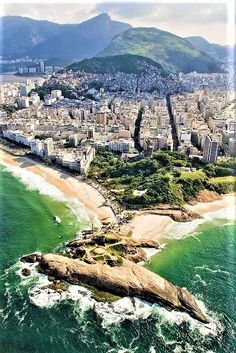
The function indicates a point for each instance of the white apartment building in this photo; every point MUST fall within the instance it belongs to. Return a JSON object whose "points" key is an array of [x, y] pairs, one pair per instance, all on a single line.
{"points": [[48, 147], [210, 149], [121, 145]]}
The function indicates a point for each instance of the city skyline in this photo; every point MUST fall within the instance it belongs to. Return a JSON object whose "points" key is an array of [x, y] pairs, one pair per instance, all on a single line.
{"points": [[183, 19]]}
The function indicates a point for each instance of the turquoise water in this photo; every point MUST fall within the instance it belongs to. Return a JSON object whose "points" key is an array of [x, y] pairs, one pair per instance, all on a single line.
{"points": [[206, 265]]}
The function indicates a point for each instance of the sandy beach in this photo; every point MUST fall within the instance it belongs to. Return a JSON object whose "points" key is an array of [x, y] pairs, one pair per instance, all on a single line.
{"points": [[206, 207], [149, 226], [143, 225], [69, 186]]}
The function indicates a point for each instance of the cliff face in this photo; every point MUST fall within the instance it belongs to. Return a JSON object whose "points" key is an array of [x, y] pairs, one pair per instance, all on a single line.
{"points": [[129, 279]]}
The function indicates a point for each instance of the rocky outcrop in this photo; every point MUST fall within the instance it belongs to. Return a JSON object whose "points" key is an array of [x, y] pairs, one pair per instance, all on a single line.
{"points": [[178, 214], [205, 196], [109, 248], [129, 279]]}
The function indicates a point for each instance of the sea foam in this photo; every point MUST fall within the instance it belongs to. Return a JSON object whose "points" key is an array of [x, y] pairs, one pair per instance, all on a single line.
{"points": [[179, 230], [172, 317], [110, 313], [35, 182]]}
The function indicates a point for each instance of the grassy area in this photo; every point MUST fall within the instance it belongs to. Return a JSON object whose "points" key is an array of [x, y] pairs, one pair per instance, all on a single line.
{"points": [[199, 174], [226, 179], [223, 185], [148, 182], [118, 63]]}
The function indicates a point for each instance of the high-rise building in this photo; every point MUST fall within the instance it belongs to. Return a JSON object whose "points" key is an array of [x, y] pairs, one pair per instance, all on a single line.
{"points": [[48, 147], [42, 67], [73, 140], [210, 149], [231, 125], [232, 147], [56, 93], [23, 102]]}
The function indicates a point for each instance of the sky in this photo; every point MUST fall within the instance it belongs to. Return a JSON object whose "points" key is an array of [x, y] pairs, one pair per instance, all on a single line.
{"points": [[208, 19]]}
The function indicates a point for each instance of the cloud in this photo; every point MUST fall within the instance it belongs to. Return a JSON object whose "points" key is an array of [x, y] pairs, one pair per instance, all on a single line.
{"points": [[189, 13], [59, 12], [126, 10]]}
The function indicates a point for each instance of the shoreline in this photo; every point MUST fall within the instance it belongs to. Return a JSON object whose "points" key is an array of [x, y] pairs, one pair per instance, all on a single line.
{"points": [[69, 186], [144, 225], [155, 227]]}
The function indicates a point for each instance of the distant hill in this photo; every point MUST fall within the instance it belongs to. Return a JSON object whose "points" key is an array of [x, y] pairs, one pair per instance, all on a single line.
{"points": [[43, 39], [175, 54], [80, 41], [216, 51], [19, 34], [231, 52], [118, 63]]}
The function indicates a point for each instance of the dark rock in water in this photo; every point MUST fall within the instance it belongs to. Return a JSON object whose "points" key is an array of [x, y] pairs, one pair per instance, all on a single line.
{"points": [[129, 279], [32, 258], [58, 286], [26, 272]]}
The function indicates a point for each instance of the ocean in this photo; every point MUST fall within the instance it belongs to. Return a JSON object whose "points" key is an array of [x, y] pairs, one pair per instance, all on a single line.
{"points": [[9, 77], [204, 261]]}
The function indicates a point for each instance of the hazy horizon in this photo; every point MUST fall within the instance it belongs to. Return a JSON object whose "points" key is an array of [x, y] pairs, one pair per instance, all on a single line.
{"points": [[208, 20]]}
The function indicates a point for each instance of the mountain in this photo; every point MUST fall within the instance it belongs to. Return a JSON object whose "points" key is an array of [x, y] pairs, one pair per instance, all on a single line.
{"points": [[175, 54], [118, 63], [80, 41], [216, 51], [22, 33], [43, 39], [231, 52]]}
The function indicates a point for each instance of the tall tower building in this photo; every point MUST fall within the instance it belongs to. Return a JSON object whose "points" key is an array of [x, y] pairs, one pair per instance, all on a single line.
{"points": [[48, 147], [210, 149], [42, 66]]}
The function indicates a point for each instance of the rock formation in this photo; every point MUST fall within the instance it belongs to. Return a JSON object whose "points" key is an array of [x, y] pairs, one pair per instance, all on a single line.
{"points": [[126, 279]]}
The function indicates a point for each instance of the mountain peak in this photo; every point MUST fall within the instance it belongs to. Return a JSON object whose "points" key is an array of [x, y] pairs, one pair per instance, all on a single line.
{"points": [[102, 16]]}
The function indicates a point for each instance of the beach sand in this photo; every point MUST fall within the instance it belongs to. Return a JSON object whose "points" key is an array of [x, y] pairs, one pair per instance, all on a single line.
{"points": [[143, 225], [69, 186], [147, 226], [155, 227], [206, 207]]}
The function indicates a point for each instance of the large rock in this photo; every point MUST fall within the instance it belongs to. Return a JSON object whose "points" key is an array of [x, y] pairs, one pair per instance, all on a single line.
{"points": [[110, 238], [129, 279]]}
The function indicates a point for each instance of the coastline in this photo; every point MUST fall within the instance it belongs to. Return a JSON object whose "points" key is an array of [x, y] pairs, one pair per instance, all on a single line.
{"points": [[226, 201], [70, 186], [144, 225], [155, 227]]}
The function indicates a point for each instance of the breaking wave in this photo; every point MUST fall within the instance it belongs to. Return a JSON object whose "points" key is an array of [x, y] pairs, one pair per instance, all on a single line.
{"points": [[110, 313], [179, 230], [35, 182]]}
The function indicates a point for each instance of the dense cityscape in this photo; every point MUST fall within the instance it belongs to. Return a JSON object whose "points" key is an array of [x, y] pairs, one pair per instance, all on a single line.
{"points": [[191, 113]]}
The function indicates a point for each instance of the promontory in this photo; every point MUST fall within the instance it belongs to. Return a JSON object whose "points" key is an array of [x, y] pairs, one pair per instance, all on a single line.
{"points": [[108, 263]]}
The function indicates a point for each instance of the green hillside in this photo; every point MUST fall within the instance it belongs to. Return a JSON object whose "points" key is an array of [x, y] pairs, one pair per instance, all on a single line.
{"points": [[118, 63], [216, 51], [175, 54]]}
